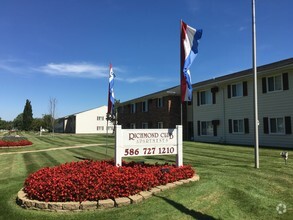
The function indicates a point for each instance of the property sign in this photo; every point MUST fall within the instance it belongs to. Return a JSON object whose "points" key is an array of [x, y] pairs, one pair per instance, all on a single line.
{"points": [[148, 142]]}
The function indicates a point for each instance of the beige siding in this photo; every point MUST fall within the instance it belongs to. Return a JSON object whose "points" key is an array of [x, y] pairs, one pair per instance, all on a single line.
{"points": [[270, 104], [88, 123], [273, 105]]}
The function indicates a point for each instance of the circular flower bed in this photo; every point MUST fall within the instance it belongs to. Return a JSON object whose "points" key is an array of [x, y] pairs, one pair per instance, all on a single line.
{"points": [[12, 141], [97, 180]]}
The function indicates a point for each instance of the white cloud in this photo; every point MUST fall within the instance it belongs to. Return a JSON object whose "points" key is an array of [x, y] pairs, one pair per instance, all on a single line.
{"points": [[242, 28], [75, 70], [82, 70], [15, 66], [138, 79]]}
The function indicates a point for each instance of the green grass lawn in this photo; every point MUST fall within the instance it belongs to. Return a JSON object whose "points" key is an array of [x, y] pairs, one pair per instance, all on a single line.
{"points": [[229, 187]]}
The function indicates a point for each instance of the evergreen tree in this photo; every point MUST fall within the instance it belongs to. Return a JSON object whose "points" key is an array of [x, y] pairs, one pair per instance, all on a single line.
{"points": [[27, 116]]}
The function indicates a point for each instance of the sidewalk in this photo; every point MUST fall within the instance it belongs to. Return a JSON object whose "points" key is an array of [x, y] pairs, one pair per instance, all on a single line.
{"points": [[51, 149]]}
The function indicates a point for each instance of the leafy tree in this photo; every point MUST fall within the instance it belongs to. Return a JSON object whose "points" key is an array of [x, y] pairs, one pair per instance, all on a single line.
{"points": [[5, 125], [18, 122], [47, 119], [27, 116], [37, 123], [2, 124]]}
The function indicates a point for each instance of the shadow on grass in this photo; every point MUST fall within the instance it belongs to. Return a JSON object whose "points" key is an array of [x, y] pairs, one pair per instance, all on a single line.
{"points": [[82, 158], [183, 209]]}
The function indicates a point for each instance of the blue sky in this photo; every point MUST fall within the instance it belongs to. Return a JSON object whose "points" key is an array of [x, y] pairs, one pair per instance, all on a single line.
{"points": [[62, 48]]}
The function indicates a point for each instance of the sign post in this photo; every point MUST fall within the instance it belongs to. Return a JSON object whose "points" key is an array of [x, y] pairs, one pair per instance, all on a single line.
{"points": [[148, 142]]}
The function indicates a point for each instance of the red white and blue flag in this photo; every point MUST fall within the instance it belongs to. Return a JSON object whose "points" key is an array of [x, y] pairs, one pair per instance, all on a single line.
{"points": [[189, 49], [111, 98]]}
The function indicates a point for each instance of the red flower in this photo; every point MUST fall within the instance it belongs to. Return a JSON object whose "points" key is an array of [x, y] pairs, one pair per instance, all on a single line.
{"points": [[95, 180]]}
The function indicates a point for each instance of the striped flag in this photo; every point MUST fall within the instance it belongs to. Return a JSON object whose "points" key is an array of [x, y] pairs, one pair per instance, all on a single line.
{"points": [[189, 49], [111, 98]]}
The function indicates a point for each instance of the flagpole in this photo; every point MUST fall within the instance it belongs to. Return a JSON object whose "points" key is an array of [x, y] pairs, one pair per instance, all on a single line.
{"points": [[107, 136], [180, 48], [256, 122]]}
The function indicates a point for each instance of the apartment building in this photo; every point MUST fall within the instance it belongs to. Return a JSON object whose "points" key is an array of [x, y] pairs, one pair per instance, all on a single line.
{"points": [[222, 109], [91, 121]]}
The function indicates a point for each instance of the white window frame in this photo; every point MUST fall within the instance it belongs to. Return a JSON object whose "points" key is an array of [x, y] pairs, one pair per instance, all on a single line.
{"points": [[208, 97], [145, 125], [277, 129], [160, 124], [100, 118], [237, 90], [239, 129], [276, 88], [160, 102], [100, 128], [132, 108], [207, 128], [144, 106]]}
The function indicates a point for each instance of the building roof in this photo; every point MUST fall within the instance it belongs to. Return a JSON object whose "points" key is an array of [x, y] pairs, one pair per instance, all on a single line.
{"points": [[244, 73], [74, 114]]}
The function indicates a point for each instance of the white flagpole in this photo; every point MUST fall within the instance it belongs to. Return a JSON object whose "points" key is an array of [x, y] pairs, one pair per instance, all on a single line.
{"points": [[256, 122], [180, 49], [107, 137]]}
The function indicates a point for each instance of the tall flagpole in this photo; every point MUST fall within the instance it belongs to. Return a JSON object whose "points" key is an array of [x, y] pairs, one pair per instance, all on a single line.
{"points": [[256, 122], [181, 68]]}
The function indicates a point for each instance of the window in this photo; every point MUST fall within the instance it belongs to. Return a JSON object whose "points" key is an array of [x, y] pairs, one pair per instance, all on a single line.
{"points": [[145, 106], [145, 125], [160, 125], [277, 126], [100, 118], [206, 128], [274, 83], [160, 102], [132, 108], [132, 126], [237, 90], [205, 97], [238, 126], [100, 128]]}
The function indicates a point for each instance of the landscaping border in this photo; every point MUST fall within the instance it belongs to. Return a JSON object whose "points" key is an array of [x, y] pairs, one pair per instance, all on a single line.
{"points": [[26, 203]]}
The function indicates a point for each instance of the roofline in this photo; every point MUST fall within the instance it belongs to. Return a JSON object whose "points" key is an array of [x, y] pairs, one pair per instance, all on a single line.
{"points": [[74, 114], [244, 73]]}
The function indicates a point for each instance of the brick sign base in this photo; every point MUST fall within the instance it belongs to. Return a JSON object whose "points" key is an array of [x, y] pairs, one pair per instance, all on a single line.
{"points": [[26, 203]]}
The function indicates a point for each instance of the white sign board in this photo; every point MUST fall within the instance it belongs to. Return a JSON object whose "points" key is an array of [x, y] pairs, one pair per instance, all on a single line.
{"points": [[148, 142]]}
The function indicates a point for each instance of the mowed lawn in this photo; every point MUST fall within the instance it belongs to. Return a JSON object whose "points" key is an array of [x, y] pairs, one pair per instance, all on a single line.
{"points": [[229, 187]]}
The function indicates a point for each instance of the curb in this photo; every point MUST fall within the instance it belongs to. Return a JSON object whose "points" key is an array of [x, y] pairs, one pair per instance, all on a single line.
{"points": [[26, 203]]}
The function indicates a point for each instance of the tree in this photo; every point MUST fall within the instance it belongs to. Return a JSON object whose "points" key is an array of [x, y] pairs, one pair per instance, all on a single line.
{"points": [[18, 122], [27, 116], [47, 119], [37, 123], [52, 112]]}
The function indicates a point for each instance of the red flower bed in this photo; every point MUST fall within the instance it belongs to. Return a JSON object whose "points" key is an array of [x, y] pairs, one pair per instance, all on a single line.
{"points": [[15, 143], [96, 180]]}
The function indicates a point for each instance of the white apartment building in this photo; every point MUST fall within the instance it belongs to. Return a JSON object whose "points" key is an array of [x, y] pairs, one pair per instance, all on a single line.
{"points": [[91, 121]]}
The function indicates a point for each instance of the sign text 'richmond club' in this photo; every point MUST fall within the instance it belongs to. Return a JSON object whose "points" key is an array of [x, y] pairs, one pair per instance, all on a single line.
{"points": [[150, 137]]}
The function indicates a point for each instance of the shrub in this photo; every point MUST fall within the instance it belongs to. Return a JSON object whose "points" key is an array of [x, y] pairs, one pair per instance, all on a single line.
{"points": [[9, 141], [14, 138], [95, 180]]}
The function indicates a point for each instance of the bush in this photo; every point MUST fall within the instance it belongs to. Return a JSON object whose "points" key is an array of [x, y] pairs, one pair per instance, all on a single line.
{"points": [[14, 138], [9, 141], [96, 180]]}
